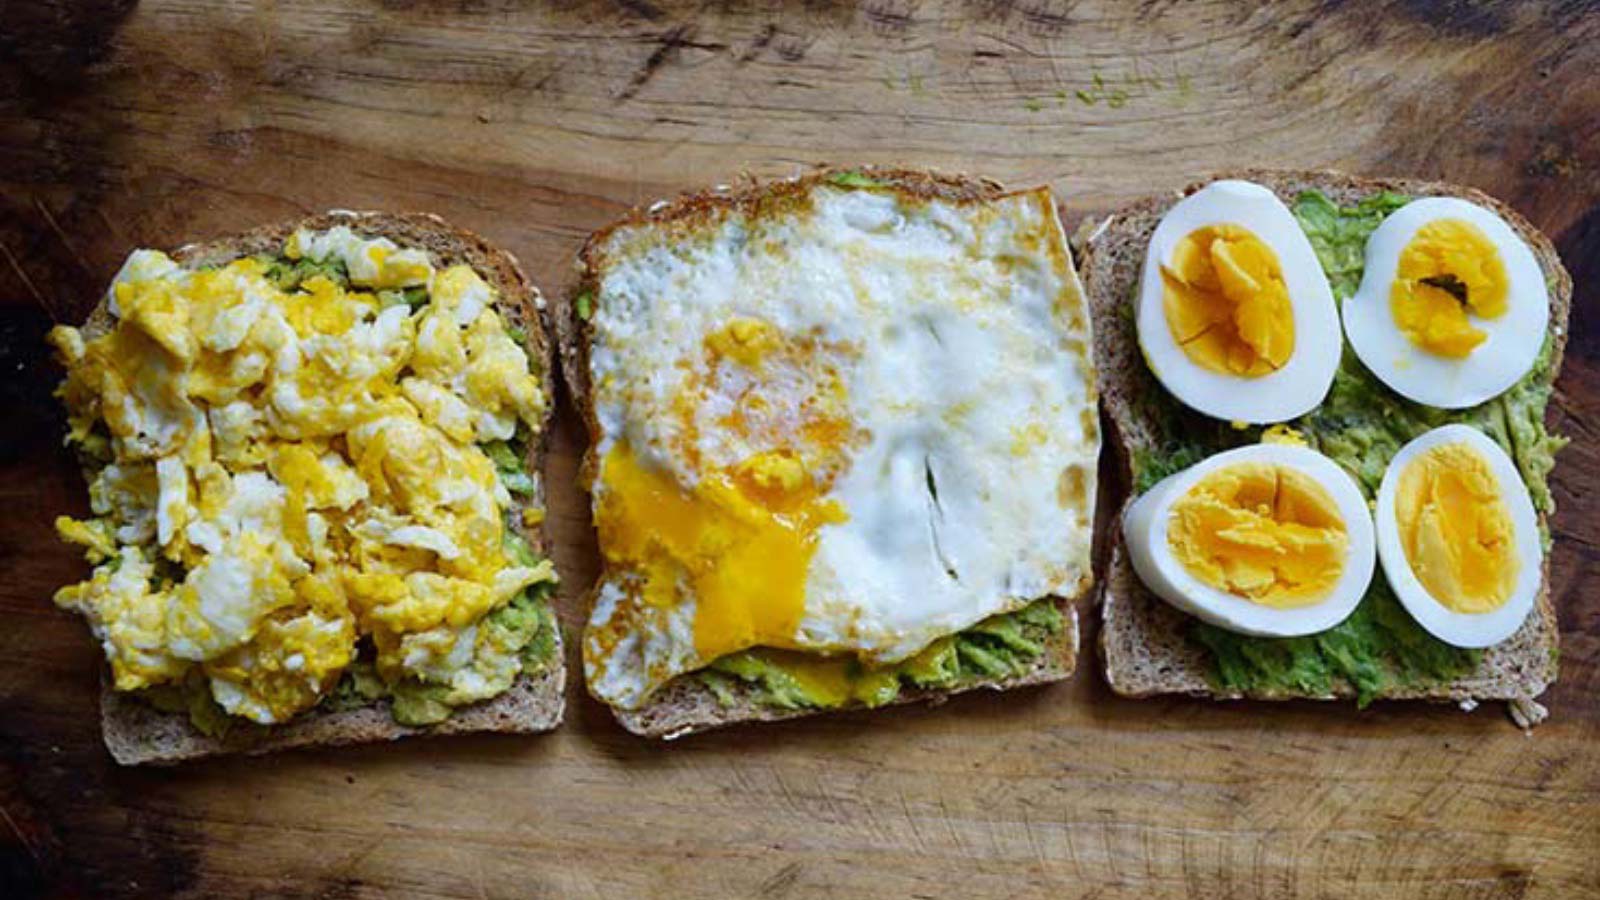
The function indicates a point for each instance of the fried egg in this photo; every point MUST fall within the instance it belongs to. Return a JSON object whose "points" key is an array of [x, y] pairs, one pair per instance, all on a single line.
{"points": [[288, 470], [1235, 316], [1459, 537], [1452, 308], [851, 423], [1271, 540]]}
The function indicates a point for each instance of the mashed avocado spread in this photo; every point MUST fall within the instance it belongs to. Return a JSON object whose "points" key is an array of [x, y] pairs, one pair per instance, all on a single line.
{"points": [[998, 647], [526, 624], [1361, 425]]}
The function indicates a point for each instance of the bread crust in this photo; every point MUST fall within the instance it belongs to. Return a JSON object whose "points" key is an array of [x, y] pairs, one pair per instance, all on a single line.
{"points": [[138, 734], [685, 706], [1142, 644]]}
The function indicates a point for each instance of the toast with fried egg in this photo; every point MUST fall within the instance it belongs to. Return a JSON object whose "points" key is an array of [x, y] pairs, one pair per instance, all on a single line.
{"points": [[748, 297], [1149, 647], [137, 732]]}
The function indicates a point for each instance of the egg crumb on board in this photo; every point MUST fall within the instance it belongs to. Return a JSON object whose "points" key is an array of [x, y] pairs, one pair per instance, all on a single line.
{"points": [[290, 461], [838, 433]]}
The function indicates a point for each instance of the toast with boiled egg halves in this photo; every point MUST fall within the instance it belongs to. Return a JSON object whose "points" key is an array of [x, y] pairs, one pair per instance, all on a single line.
{"points": [[1365, 411]]}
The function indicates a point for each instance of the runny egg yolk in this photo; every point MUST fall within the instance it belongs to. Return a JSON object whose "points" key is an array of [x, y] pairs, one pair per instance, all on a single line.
{"points": [[832, 680], [1448, 269], [1260, 531], [1456, 529], [739, 542], [1226, 302]]}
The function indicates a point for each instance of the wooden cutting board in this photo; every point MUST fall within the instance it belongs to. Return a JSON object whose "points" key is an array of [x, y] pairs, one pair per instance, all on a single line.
{"points": [[124, 127]]}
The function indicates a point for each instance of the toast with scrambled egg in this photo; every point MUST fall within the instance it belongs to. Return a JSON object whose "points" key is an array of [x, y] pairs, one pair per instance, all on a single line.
{"points": [[843, 442], [1148, 646], [253, 596]]}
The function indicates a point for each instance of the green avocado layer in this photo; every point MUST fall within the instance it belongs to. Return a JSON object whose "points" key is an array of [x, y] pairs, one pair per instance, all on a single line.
{"points": [[998, 647], [1361, 425], [529, 625]]}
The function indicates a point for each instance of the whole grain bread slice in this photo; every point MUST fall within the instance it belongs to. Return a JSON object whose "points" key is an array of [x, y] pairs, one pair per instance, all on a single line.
{"points": [[137, 733], [1142, 639], [686, 705]]}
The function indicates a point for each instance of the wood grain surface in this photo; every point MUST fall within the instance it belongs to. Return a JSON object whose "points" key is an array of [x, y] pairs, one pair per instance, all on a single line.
{"points": [[126, 125]]}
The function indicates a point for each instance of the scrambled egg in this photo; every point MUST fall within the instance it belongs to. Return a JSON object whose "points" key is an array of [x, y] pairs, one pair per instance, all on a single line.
{"points": [[285, 472]]}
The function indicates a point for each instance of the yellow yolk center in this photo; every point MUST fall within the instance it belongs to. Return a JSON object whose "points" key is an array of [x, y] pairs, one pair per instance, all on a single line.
{"points": [[740, 542], [1263, 532], [747, 341], [1449, 268], [1456, 530], [1226, 302]]}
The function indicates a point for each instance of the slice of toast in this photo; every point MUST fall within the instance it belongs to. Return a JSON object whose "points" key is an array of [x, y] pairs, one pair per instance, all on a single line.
{"points": [[137, 733], [1142, 639], [686, 705]]}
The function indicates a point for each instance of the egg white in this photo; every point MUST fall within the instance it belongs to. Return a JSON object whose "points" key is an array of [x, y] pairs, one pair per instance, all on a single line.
{"points": [[1514, 339], [1144, 532], [141, 265], [1458, 628], [951, 331], [1304, 380]]}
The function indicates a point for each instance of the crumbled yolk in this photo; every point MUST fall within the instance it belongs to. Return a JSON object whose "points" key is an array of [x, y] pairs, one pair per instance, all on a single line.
{"points": [[1025, 437], [1456, 530], [740, 542], [1226, 302], [1260, 531], [1283, 434], [1448, 269]]}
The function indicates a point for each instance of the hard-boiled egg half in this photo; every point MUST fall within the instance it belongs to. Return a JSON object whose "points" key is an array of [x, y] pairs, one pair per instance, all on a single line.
{"points": [[1458, 537], [1453, 306], [1235, 315], [1272, 540]]}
